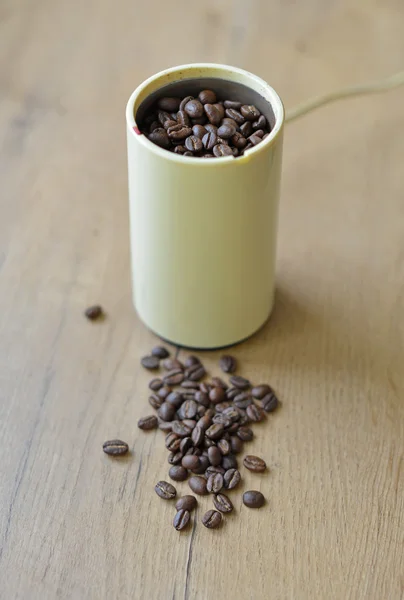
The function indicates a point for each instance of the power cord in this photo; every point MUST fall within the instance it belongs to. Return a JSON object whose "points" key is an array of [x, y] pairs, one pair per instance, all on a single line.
{"points": [[382, 85]]}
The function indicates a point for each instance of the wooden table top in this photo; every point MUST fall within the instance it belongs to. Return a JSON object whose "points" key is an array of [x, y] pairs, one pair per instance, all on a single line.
{"points": [[73, 523]]}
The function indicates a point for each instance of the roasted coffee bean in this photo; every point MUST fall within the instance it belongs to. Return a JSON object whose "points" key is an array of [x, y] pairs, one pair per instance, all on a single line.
{"points": [[242, 400], [229, 462], [190, 385], [195, 373], [174, 377], [189, 409], [226, 131], [179, 132], [170, 123], [254, 139], [186, 444], [232, 413], [165, 490], [163, 116], [231, 479], [202, 398], [187, 502], [232, 104], [156, 384], [270, 402], [222, 150], [231, 393], [194, 451], [261, 123], [172, 442], [190, 461], [174, 458], [217, 394], [234, 114], [215, 431], [214, 483], [259, 391], [166, 412], [169, 104], [250, 112], [245, 433], [147, 422], [170, 364], [255, 413], [191, 360], [209, 140], [150, 362], [180, 149], [239, 382], [207, 97], [204, 422], [248, 146], [181, 429], [212, 519], [238, 140], [178, 473], [175, 399], [246, 129], [164, 425], [164, 392], [211, 128], [201, 410], [198, 485], [93, 313], [236, 445], [185, 101], [155, 125], [224, 447], [183, 119], [197, 435], [222, 420], [193, 144], [253, 499], [212, 469], [115, 447], [181, 519], [203, 465], [215, 456], [219, 106], [194, 108], [230, 122], [254, 463], [155, 401], [223, 503], [213, 113]]}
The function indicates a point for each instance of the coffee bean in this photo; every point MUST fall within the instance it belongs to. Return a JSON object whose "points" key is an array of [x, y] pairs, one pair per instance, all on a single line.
{"points": [[212, 469], [178, 473], [254, 413], [93, 313], [242, 400], [165, 490], [175, 399], [217, 394], [222, 420], [187, 502], [193, 143], [231, 413], [190, 385], [223, 503], [254, 463], [231, 479], [174, 377], [261, 123], [229, 462], [202, 398], [231, 393], [180, 149], [197, 435], [254, 139], [236, 445], [226, 131], [270, 402], [250, 112], [239, 382], [170, 123], [189, 409], [150, 362], [190, 461], [181, 429], [195, 373], [238, 140], [215, 431], [215, 456], [207, 97], [222, 150], [245, 433], [174, 458], [169, 104], [209, 140], [186, 444], [212, 519], [172, 363], [203, 465], [166, 412], [234, 114], [253, 499], [172, 442], [194, 109], [232, 104], [181, 519], [224, 447], [211, 128], [156, 384], [163, 116], [179, 132], [191, 360], [246, 129], [164, 392], [147, 422], [155, 125], [183, 118], [199, 131], [213, 113], [155, 401], [185, 101], [115, 447], [259, 391], [214, 483], [198, 485], [164, 425]]}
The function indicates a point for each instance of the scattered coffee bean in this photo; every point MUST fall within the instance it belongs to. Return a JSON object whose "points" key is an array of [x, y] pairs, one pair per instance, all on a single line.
{"points": [[217, 394], [229, 462], [164, 392], [215, 456], [174, 377], [236, 444], [181, 429], [212, 519], [190, 461], [178, 473], [174, 458], [164, 425], [211, 469], [239, 382], [149, 422], [173, 442], [175, 399], [166, 411], [187, 502], [255, 413], [170, 364], [245, 433], [160, 352], [155, 401], [93, 313], [150, 362], [254, 463], [198, 485], [203, 465], [195, 373], [224, 447], [270, 402], [214, 483], [231, 479], [156, 384], [223, 503], [253, 499], [115, 447], [181, 519], [198, 434], [215, 431], [165, 490], [259, 391]]}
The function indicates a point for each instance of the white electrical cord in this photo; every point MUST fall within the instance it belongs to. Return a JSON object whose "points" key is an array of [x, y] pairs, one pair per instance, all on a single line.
{"points": [[357, 90]]}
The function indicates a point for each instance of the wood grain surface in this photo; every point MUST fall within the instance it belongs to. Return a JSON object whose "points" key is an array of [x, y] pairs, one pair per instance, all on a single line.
{"points": [[73, 523]]}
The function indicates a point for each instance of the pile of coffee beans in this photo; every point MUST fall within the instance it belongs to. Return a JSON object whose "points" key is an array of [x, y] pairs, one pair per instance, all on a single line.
{"points": [[204, 127], [206, 423]]}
